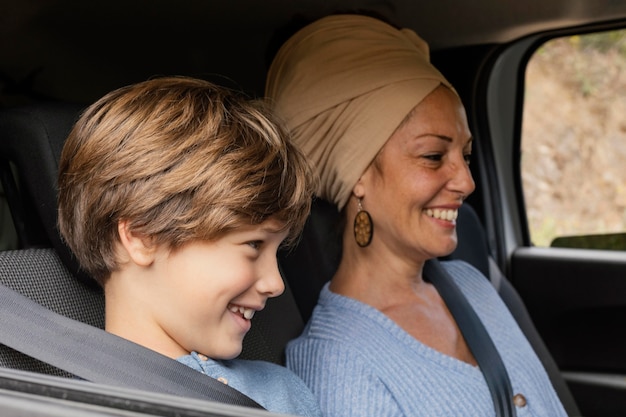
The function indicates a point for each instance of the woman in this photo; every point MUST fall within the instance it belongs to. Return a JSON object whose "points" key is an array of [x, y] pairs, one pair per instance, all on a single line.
{"points": [[389, 138]]}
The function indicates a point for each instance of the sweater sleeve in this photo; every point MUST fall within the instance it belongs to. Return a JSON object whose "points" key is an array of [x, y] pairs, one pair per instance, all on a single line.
{"points": [[341, 379]]}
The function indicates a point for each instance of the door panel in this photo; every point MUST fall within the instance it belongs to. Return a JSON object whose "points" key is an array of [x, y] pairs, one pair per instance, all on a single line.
{"points": [[577, 300]]}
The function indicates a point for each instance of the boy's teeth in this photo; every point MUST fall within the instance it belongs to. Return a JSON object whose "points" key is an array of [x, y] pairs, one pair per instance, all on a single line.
{"points": [[246, 313], [449, 215]]}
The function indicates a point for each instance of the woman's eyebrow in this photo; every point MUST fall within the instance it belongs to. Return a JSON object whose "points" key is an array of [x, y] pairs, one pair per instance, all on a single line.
{"points": [[435, 135], [445, 138], [448, 139]]}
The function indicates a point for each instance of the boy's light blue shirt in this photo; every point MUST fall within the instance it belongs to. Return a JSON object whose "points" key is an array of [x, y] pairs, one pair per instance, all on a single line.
{"points": [[274, 387]]}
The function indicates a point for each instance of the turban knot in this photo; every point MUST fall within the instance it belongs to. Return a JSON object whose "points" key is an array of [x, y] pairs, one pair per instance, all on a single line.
{"points": [[343, 84]]}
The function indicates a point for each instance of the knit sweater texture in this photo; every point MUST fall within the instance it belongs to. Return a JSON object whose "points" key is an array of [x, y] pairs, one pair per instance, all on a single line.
{"points": [[358, 362]]}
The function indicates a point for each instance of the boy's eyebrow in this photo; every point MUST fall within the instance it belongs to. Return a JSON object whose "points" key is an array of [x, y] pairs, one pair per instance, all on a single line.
{"points": [[274, 229]]}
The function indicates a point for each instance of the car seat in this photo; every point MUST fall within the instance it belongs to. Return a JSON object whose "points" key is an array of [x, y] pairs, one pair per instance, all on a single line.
{"points": [[44, 269], [31, 139]]}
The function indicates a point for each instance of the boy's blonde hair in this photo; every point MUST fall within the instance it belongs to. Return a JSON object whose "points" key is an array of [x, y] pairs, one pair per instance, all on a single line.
{"points": [[180, 159]]}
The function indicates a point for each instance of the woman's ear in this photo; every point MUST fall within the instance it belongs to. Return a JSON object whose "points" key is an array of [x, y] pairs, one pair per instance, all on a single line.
{"points": [[359, 188], [138, 249]]}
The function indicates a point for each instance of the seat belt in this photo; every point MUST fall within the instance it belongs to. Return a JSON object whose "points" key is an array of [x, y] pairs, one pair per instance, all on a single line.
{"points": [[95, 355], [476, 337]]}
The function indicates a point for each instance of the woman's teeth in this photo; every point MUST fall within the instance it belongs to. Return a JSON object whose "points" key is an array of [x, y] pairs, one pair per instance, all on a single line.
{"points": [[447, 214]]}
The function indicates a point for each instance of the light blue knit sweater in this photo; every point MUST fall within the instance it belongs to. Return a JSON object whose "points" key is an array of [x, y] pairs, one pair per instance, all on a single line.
{"points": [[360, 363]]}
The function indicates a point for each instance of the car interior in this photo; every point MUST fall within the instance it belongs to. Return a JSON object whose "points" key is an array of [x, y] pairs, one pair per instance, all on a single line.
{"points": [[33, 138], [70, 53]]}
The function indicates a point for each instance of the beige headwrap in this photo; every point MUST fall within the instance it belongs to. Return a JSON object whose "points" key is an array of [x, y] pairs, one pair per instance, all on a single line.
{"points": [[343, 84]]}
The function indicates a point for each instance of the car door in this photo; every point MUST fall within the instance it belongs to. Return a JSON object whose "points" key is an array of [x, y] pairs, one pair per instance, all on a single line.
{"points": [[555, 206]]}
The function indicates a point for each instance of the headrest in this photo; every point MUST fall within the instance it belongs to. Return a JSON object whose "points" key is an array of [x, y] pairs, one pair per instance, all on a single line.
{"points": [[32, 138]]}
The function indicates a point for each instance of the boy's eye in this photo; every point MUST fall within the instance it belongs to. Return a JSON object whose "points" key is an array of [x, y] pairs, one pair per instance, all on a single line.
{"points": [[255, 244]]}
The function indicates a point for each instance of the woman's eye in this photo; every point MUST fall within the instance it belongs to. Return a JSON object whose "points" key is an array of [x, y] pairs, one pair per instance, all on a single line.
{"points": [[468, 158], [434, 157]]}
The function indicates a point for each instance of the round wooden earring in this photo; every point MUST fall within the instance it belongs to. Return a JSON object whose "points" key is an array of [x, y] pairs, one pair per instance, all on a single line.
{"points": [[363, 227]]}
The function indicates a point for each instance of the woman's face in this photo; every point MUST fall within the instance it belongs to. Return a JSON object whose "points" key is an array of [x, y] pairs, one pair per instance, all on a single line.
{"points": [[419, 179]]}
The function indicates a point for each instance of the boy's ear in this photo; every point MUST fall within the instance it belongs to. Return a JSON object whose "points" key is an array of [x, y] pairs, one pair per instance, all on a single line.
{"points": [[139, 249]]}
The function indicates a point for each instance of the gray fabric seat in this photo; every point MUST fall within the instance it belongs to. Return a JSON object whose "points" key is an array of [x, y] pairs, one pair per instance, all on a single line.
{"points": [[40, 275]]}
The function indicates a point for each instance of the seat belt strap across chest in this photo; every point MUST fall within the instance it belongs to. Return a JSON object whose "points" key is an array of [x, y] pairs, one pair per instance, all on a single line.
{"points": [[476, 337], [93, 354]]}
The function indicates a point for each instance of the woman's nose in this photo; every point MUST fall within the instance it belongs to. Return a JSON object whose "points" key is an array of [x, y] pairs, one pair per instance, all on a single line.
{"points": [[462, 180]]}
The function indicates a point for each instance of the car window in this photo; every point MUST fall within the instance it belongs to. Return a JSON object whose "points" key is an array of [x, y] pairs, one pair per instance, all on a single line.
{"points": [[573, 142]]}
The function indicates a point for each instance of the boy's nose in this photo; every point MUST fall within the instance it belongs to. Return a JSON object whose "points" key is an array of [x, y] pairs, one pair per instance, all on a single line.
{"points": [[272, 283]]}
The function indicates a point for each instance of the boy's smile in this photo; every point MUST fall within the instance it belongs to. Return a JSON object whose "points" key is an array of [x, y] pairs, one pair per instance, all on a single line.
{"points": [[246, 313], [201, 297]]}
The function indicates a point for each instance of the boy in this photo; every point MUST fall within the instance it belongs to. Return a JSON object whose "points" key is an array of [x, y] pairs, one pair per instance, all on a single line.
{"points": [[175, 194]]}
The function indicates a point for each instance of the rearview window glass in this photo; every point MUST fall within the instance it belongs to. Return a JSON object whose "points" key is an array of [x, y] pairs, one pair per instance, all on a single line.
{"points": [[574, 142]]}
